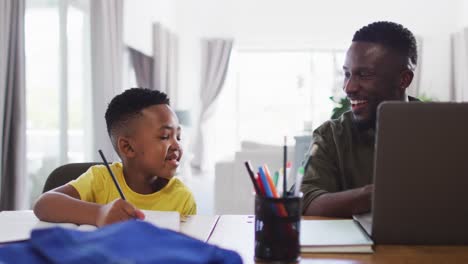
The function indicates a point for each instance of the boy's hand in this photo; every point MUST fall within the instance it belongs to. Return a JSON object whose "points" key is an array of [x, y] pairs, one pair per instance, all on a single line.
{"points": [[117, 211]]}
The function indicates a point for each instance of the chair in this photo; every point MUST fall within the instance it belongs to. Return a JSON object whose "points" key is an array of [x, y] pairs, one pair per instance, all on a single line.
{"points": [[66, 173]]}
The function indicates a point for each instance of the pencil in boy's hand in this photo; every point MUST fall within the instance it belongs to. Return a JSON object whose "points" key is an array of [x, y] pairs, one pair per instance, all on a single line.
{"points": [[252, 177], [112, 175]]}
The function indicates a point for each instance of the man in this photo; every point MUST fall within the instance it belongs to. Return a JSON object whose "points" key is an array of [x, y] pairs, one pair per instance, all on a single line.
{"points": [[378, 67]]}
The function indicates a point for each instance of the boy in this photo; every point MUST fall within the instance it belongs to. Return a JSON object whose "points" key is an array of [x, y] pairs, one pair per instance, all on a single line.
{"points": [[146, 135]]}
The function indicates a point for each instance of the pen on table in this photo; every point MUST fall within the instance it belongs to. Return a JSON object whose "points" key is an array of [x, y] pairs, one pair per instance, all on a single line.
{"points": [[252, 177], [285, 158], [112, 175]]}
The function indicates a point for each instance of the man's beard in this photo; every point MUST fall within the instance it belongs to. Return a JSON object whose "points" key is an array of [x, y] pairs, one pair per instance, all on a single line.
{"points": [[366, 124]]}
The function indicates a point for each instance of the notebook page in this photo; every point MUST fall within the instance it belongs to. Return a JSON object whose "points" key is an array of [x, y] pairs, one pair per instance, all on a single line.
{"points": [[86, 228], [42, 225], [16, 225], [199, 226], [163, 219], [325, 234]]}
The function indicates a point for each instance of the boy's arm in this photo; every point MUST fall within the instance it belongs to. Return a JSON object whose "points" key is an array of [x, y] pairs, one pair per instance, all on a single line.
{"points": [[63, 204]]}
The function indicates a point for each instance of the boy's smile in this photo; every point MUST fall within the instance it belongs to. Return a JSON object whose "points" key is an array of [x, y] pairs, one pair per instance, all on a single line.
{"points": [[173, 159]]}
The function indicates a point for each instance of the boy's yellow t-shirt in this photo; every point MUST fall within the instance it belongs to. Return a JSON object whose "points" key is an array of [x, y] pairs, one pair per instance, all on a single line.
{"points": [[96, 186]]}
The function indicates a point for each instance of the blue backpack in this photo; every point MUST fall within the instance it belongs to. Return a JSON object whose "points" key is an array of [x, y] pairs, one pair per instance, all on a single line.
{"points": [[126, 242]]}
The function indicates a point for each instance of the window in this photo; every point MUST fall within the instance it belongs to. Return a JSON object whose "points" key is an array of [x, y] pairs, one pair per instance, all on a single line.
{"points": [[57, 83], [272, 94]]}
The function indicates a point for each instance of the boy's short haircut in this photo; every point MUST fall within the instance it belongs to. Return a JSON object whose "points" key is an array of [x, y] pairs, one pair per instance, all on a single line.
{"points": [[128, 105]]}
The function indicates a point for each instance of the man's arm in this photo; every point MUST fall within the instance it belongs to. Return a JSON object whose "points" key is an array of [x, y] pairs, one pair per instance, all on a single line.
{"points": [[322, 185], [341, 204]]}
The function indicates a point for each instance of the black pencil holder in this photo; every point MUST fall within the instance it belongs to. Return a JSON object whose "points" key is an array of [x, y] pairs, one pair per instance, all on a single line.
{"points": [[277, 228]]}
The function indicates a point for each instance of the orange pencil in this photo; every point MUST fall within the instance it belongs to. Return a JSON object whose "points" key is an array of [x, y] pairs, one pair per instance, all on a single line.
{"points": [[270, 181], [281, 208]]}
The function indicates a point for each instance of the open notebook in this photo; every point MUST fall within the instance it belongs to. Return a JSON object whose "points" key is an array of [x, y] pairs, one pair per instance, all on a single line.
{"points": [[200, 227], [169, 220], [17, 225], [334, 236]]}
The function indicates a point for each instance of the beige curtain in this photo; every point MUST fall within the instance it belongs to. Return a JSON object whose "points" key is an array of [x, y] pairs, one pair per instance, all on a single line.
{"points": [[13, 193], [215, 61], [106, 66], [165, 50], [143, 68]]}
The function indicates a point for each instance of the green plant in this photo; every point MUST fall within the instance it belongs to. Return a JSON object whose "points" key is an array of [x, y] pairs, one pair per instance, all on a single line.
{"points": [[426, 98], [341, 105]]}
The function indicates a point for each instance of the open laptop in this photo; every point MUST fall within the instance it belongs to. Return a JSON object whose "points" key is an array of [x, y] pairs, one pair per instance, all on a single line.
{"points": [[421, 174]]}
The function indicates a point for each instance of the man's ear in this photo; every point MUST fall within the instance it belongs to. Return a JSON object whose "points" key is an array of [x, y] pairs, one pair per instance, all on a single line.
{"points": [[124, 145], [405, 79]]}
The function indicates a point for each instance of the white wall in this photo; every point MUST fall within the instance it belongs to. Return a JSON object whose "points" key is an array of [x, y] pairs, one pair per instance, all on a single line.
{"points": [[295, 24], [463, 14], [323, 24], [139, 15]]}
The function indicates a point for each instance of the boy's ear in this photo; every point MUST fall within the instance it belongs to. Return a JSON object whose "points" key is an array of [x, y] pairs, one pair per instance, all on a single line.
{"points": [[125, 148]]}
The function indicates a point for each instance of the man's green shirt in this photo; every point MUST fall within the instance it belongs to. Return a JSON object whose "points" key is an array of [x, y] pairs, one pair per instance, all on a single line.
{"points": [[344, 158]]}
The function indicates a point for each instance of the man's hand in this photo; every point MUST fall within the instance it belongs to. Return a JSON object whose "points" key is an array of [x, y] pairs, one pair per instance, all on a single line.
{"points": [[363, 201], [117, 211], [342, 204]]}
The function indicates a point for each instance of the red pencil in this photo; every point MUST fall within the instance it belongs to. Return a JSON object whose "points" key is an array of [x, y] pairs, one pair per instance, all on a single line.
{"points": [[260, 184]]}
